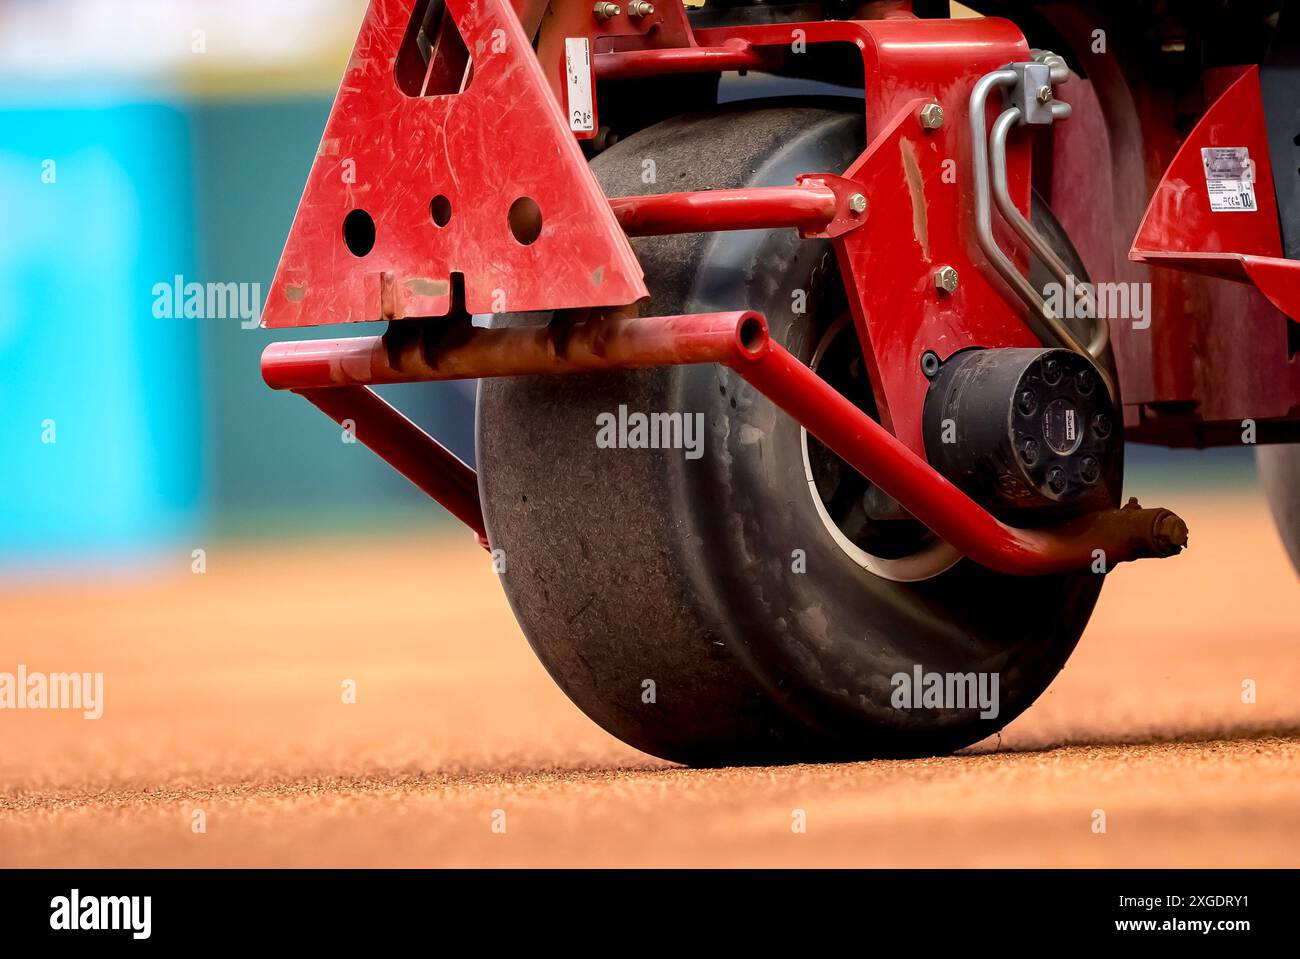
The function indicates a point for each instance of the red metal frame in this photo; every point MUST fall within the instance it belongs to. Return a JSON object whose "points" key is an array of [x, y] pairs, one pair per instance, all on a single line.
{"points": [[324, 371], [468, 352], [1215, 351], [920, 215], [731, 54], [809, 206], [918, 218], [502, 137], [1180, 230]]}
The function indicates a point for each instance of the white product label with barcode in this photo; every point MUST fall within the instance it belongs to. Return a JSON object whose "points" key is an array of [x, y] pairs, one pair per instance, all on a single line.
{"points": [[1230, 179], [577, 74]]}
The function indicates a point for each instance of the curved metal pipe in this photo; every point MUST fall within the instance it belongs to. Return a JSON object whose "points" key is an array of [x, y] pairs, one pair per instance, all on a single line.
{"points": [[1040, 318], [1040, 247]]}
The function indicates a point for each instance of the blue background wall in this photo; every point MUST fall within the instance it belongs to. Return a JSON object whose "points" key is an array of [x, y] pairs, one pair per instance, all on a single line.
{"points": [[164, 429], [78, 342]]}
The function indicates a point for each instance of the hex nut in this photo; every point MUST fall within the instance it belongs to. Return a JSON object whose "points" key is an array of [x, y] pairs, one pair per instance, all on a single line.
{"points": [[945, 280], [931, 116]]}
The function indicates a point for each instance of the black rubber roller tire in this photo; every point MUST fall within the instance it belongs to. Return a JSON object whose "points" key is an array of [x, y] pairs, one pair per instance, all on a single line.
{"points": [[665, 594]]}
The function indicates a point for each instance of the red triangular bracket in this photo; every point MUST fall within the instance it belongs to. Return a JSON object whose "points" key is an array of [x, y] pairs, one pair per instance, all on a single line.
{"points": [[1184, 229], [390, 155]]}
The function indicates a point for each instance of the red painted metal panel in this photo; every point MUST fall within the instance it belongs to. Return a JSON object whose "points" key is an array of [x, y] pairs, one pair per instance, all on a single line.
{"points": [[1181, 229], [482, 149], [920, 214], [1209, 351], [915, 224]]}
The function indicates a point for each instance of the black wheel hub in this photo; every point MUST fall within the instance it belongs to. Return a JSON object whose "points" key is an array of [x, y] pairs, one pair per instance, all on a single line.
{"points": [[1023, 428]]}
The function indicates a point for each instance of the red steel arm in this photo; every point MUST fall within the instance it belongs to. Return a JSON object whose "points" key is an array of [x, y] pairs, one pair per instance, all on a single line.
{"points": [[333, 374]]}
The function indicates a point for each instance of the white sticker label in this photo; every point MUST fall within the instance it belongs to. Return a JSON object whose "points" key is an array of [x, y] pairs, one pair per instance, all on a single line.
{"points": [[1070, 430], [1230, 179], [577, 75]]}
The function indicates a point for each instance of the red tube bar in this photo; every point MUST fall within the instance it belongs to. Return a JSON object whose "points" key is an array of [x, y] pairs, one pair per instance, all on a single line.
{"points": [[467, 353], [804, 207], [330, 374], [1123, 534], [405, 447], [734, 54]]}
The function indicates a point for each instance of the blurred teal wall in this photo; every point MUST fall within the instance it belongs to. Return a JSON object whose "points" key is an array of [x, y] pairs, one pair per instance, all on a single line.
{"points": [[163, 430], [101, 400]]}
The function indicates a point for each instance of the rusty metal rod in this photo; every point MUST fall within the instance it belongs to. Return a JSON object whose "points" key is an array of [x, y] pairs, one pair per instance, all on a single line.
{"points": [[466, 353]]}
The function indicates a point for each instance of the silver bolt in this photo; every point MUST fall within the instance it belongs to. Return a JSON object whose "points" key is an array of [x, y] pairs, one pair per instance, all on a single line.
{"points": [[945, 280], [858, 203], [931, 116], [1044, 94], [640, 8], [605, 10]]}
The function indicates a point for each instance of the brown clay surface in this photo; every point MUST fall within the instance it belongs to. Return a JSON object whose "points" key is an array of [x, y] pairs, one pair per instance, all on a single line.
{"points": [[223, 695]]}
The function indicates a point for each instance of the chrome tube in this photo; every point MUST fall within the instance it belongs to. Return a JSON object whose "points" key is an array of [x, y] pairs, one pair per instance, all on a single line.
{"points": [[1040, 247], [1040, 318]]}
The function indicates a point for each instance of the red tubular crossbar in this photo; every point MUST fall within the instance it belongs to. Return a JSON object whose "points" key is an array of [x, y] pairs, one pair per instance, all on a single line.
{"points": [[331, 374], [805, 207], [735, 54], [467, 353]]}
